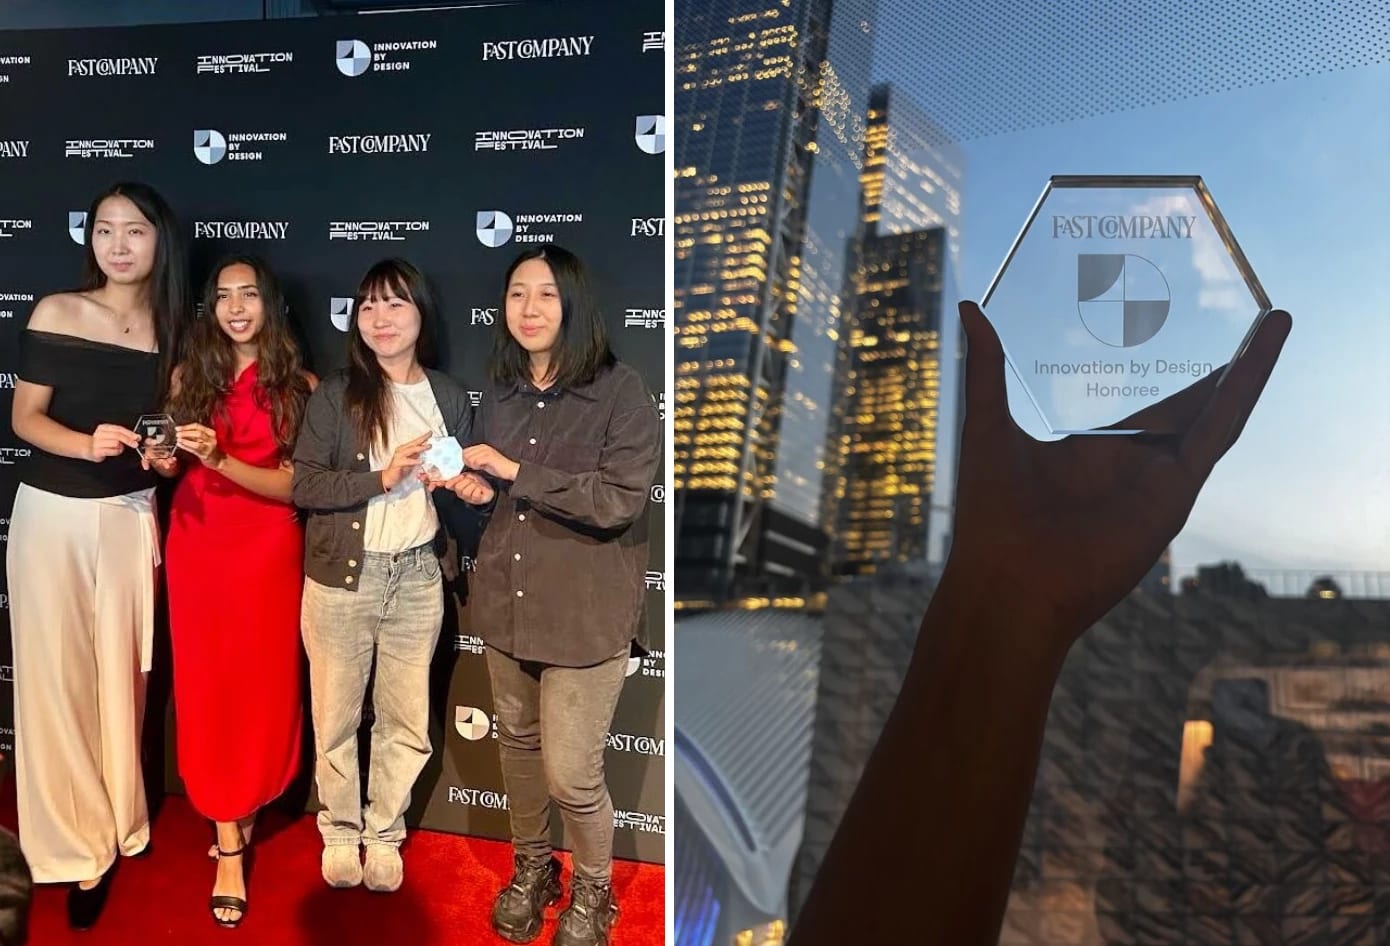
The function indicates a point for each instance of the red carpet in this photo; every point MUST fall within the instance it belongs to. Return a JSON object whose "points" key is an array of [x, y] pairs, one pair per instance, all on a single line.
{"points": [[161, 898]]}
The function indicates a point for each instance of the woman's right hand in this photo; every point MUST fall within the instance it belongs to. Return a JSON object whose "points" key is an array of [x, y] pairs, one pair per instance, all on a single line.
{"points": [[108, 440], [405, 459]]}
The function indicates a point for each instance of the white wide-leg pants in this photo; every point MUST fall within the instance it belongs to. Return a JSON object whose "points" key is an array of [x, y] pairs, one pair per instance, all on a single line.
{"points": [[82, 592]]}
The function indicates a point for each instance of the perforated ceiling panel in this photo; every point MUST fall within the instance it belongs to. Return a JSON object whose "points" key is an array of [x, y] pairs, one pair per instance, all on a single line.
{"points": [[984, 67]]}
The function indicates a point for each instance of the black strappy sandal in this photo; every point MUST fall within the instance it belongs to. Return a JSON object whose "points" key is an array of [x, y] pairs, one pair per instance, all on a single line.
{"points": [[231, 903]]}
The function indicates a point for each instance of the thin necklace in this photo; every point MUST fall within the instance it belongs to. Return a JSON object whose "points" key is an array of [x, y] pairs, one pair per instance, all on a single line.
{"points": [[114, 314], [126, 329]]}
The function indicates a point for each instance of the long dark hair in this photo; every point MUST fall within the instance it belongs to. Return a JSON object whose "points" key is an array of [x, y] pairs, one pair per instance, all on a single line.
{"points": [[581, 348], [367, 395], [168, 278], [206, 373]]}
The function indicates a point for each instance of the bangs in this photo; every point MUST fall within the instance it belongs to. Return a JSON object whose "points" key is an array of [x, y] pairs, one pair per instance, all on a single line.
{"points": [[384, 281]]}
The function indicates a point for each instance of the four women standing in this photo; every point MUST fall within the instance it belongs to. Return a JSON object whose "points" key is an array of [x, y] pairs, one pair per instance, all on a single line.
{"points": [[563, 454]]}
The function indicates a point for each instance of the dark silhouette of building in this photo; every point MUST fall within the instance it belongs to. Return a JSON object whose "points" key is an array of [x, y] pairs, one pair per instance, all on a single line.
{"points": [[1227, 579], [1213, 770], [1324, 588]]}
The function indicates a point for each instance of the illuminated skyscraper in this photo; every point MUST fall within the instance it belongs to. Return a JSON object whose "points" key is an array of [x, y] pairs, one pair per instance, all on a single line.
{"points": [[769, 99], [883, 439], [881, 463], [913, 174]]}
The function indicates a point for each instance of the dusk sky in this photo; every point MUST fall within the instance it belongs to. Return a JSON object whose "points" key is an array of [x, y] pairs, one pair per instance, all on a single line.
{"points": [[1298, 168]]}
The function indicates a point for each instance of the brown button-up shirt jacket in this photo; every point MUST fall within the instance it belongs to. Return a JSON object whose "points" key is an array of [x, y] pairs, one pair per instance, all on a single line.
{"points": [[562, 563]]}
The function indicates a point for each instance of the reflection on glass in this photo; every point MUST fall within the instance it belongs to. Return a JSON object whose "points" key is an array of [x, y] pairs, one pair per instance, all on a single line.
{"points": [[1196, 739], [1119, 292], [1163, 813]]}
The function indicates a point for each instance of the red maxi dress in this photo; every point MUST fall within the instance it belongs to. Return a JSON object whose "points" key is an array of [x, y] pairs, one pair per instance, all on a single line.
{"points": [[234, 562]]}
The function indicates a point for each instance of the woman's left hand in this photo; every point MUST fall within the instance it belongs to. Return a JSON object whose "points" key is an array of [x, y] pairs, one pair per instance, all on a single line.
{"points": [[486, 458], [202, 443], [472, 489]]}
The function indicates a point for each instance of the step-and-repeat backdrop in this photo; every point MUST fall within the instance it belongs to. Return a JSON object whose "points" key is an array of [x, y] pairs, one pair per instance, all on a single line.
{"points": [[454, 139]]}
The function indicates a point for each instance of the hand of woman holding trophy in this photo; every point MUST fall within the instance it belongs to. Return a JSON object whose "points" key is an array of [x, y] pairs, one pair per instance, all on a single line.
{"points": [[202, 443]]}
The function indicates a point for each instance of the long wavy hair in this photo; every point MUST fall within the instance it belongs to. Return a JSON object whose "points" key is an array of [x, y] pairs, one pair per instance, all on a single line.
{"points": [[168, 291], [368, 397], [206, 373], [581, 349]]}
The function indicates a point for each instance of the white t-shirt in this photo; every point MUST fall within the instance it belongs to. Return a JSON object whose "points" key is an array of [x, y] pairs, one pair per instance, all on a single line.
{"points": [[405, 517]]}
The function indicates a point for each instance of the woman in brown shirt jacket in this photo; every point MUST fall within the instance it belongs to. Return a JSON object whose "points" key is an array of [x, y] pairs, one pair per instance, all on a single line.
{"points": [[568, 445]]}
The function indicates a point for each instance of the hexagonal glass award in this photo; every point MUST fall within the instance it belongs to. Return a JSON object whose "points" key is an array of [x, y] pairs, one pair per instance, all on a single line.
{"points": [[443, 459], [1119, 292], [158, 436]]}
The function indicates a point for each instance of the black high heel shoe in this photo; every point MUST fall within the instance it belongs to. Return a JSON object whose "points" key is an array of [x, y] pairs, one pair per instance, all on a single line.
{"points": [[223, 902], [85, 906]]}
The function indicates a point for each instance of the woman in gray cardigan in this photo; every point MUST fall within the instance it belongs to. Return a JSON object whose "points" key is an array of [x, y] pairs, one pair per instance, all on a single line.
{"points": [[372, 586]]}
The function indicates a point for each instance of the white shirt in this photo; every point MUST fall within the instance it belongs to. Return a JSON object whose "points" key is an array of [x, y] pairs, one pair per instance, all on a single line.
{"points": [[405, 517]]}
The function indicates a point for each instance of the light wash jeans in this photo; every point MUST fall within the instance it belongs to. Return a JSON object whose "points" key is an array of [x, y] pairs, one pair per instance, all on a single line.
{"points": [[394, 616]]}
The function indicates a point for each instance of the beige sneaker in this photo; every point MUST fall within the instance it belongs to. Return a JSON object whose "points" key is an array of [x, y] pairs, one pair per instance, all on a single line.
{"points": [[385, 870], [342, 865]]}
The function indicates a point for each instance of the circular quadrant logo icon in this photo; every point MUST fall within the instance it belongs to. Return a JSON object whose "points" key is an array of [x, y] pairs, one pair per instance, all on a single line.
{"points": [[494, 228], [209, 146], [1123, 299], [471, 723], [353, 56], [651, 133], [340, 312], [77, 226]]}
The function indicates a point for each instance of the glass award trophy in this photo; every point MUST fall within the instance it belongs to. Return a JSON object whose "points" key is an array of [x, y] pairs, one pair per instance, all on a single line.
{"points": [[158, 436], [1118, 293], [443, 459]]}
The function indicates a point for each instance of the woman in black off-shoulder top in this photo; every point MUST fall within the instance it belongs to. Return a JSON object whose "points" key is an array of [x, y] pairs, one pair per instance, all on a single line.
{"points": [[84, 546]]}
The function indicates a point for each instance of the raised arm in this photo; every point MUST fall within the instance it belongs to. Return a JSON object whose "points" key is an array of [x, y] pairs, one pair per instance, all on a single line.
{"points": [[1048, 538]]}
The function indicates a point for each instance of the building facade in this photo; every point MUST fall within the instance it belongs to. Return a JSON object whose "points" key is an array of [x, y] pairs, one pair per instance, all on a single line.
{"points": [[882, 441], [882, 449], [764, 91]]}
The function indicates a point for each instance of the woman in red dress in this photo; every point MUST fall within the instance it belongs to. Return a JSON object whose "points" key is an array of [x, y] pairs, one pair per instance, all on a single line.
{"points": [[234, 561]]}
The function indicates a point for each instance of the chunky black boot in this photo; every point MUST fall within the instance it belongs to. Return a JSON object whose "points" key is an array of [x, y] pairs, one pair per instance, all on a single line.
{"points": [[587, 919], [519, 910]]}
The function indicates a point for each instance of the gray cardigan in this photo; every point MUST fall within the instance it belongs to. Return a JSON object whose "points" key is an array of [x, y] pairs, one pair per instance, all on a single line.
{"points": [[333, 479]]}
